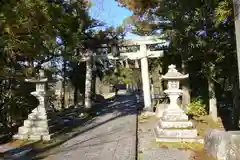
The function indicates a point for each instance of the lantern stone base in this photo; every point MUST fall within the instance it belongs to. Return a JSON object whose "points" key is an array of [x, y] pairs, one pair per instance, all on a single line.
{"points": [[174, 115], [174, 126], [37, 127], [164, 138]]}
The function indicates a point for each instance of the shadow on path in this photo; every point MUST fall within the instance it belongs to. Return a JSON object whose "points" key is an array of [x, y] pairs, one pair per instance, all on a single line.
{"points": [[120, 106]]}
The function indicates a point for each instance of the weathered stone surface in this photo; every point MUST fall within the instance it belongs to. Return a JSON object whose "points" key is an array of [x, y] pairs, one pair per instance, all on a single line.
{"points": [[160, 109], [36, 126], [174, 115], [223, 145], [178, 133], [176, 124], [161, 137]]}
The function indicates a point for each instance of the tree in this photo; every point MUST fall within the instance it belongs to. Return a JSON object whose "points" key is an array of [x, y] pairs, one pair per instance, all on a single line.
{"points": [[196, 32], [28, 39]]}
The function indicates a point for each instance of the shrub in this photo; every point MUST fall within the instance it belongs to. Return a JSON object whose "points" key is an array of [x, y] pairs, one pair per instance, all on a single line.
{"points": [[196, 108]]}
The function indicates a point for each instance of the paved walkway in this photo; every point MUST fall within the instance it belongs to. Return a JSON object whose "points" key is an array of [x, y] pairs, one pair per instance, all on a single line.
{"points": [[112, 136]]}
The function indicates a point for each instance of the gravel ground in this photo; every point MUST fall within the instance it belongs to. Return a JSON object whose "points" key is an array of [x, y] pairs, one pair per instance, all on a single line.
{"points": [[146, 148]]}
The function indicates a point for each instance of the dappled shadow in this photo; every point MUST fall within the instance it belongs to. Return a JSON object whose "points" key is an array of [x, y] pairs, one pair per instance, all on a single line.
{"points": [[6, 137], [18, 152], [119, 106]]}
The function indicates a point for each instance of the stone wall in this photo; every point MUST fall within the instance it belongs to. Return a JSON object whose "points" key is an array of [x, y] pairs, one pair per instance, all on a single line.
{"points": [[223, 145]]}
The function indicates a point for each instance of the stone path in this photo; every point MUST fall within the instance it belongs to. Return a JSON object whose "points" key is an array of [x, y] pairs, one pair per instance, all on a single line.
{"points": [[147, 149], [112, 136]]}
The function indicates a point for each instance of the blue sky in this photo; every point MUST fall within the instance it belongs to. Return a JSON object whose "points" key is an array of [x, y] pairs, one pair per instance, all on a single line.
{"points": [[109, 12]]}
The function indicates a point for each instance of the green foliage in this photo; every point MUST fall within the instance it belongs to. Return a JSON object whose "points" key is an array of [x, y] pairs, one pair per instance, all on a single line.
{"points": [[196, 108], [205, 123], [28, 39], [200, 32], [123, 75], [223, 10]]}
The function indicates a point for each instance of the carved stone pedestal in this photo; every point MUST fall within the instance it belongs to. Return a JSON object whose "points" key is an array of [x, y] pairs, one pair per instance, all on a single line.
{"points": [[174, 126]]}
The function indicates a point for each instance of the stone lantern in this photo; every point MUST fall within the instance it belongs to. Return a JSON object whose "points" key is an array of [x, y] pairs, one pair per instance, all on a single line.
{"points": [[174, 125], [173, 90], [36, 126]]}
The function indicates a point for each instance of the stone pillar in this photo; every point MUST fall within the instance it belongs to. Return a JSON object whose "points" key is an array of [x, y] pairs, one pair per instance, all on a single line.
{"points": [[126, 63], [88, 83], [145, 78], [152, 89], [173, 101], [136, 63]]}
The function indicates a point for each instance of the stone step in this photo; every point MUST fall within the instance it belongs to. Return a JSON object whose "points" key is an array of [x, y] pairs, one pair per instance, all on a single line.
{"points": [[177, 124], [32, 130], [44, 137], [174, 117], [37, 123], [175, 114], [20, 136], [163, 138], [39, 129], [41, 123], [34, 116], [189, 133]]}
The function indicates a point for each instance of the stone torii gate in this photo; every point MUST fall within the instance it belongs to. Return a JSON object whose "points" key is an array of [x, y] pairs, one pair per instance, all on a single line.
{"points": [[142, 53]]}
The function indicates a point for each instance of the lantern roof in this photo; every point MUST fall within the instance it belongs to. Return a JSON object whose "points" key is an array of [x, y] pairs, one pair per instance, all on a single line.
{"points": [[173, 73]]}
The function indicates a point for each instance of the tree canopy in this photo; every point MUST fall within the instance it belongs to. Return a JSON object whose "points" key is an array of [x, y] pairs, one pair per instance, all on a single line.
{"points": [[201, 33], [49, 34]]}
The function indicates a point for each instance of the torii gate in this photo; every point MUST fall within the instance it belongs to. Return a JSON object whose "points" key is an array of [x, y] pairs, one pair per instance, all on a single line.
{"points": [[142, 54]]}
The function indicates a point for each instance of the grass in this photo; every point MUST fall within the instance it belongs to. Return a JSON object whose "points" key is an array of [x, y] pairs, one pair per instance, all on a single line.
{"points": [[144, 118], [139, 156], [196, 148], [205, 123], [179, 145], [201, 155]]}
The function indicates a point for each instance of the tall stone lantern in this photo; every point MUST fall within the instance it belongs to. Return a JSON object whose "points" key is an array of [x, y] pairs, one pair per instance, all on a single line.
{"points": [[36, 126], [174, 125], [173, 78]]}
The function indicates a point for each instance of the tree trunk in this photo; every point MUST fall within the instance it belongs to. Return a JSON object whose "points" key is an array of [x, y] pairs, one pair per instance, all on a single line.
{"points": [[160, 80], [88, 84], [235, 95], [212, 100], [75, 96], [64, 84], [93, 95], [98, 85], [186, 88]]}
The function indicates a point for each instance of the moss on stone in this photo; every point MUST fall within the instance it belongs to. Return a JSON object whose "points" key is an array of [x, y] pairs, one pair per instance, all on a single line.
{"points": [[180, 145]]}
